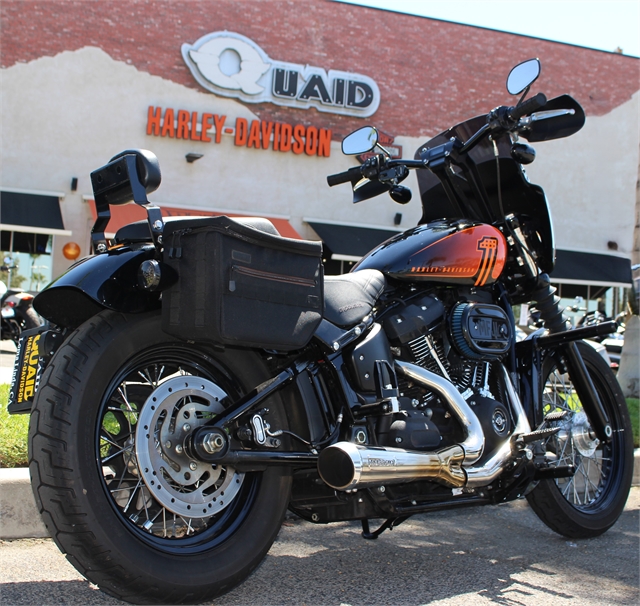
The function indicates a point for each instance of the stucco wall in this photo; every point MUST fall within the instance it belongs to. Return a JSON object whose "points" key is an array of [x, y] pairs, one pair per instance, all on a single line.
{"points": [[590, 181]]}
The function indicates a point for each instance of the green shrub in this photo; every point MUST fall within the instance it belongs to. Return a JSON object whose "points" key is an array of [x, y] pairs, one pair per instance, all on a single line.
{"points": [[14, 430]]}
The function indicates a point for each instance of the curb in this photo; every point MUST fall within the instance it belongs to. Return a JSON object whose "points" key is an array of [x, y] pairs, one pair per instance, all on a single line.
{"points": [[19, 518]]}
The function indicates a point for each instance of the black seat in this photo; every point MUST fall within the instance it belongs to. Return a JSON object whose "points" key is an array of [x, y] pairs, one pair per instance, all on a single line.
{"points": [[139, 231], [350, 297]]}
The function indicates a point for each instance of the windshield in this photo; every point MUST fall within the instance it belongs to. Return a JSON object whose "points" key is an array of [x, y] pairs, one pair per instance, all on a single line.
{"points": [[519, 197]]}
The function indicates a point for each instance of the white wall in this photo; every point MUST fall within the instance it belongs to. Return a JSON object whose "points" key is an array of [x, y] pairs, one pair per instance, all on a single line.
{"points": [[64, 116], [590, 181]]}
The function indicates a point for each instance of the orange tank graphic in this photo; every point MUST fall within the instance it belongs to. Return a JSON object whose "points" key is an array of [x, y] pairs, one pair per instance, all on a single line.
{"points": [[452, 252], [477, 253]]}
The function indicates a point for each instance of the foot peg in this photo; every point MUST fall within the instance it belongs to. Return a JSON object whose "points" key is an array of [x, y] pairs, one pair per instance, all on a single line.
{"points": [[557, 415], [537, 435], [542, 433]]}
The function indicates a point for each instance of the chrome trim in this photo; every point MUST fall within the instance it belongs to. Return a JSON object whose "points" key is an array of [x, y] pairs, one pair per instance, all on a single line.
{"points": [[551, 113], [473, 443], [370, 466], [491, 469], [348, 466], [544, 115]]}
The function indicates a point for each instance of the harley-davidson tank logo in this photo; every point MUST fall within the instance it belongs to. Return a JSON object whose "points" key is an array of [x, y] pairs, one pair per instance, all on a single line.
{"points": [[489, 248], [477, 253], [232, 65]]}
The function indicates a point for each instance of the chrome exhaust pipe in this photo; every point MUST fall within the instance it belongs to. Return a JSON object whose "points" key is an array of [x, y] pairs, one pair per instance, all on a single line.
{"points": [[492, 468], [345, 466], [473, 443]]}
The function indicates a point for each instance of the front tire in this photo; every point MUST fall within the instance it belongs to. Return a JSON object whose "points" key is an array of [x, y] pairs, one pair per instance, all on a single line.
{"points": [[591, 501], [89, 483]]}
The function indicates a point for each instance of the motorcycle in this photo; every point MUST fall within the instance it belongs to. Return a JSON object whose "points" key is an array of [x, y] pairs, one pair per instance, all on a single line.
{"points": [[16, 310], [199, 376]]}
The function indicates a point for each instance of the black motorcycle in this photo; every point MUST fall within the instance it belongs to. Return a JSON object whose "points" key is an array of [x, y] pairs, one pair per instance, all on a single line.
{"points": [[200, 375]]}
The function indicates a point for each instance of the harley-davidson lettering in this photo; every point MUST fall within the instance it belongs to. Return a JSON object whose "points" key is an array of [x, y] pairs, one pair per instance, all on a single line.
{"points": [[206, 127], [476, 253], [233, 65]]}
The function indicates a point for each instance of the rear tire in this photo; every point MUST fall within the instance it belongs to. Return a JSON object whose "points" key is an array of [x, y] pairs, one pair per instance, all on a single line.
{"points": [[89, 485], [590, 502]]}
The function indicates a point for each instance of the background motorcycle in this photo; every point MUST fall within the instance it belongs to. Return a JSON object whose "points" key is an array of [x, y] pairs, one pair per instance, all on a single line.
{"points": [[17, 312], [169, 434]]}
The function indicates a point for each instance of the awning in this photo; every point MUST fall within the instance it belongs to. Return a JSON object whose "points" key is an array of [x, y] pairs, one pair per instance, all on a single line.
{"points": [[594, 269], [31, 212], [350, 242], [128, 213]]}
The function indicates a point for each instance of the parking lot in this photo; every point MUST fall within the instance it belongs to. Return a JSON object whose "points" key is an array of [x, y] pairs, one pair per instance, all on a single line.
{"points": [[493, 555]]}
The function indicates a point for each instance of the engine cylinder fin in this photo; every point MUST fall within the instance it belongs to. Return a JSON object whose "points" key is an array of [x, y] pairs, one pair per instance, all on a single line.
{"points": [[429, 355]]}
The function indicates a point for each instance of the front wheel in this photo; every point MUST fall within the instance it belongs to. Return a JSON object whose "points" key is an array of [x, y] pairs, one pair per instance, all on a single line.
{"points": [[590, 502], [112, 478]]}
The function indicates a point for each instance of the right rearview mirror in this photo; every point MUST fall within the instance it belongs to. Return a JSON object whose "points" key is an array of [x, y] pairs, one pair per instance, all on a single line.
{"points": [[360, 141], [522, 76]]}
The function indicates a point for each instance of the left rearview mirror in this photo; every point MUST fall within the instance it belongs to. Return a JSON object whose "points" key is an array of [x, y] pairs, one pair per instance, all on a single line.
{"points": [[522, 76], [360, 141]]}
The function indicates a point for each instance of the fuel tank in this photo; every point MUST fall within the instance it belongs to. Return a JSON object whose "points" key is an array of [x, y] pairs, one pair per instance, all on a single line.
{"points": [[446, 251]]}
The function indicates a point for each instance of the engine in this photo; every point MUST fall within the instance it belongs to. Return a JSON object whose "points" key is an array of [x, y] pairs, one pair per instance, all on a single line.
{"points": [[462, 342]]}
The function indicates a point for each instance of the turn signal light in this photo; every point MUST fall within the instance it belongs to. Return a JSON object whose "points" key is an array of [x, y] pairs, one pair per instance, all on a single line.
{"points": [[149, 275]]}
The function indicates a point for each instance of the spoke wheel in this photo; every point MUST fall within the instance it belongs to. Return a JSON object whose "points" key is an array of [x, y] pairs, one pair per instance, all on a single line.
{"points": [[111, 475], [158, 398], [589, 502]]}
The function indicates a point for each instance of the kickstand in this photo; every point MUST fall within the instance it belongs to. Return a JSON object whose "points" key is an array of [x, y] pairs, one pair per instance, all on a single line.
{"points": [[387, 525]]}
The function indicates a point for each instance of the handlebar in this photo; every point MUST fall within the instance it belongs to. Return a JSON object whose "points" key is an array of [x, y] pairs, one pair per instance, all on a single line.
{"points": [[500, 120], [529, 106], [345, 177]]}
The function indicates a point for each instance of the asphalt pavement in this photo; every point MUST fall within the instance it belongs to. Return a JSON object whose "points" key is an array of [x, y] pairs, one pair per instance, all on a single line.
{"points": [[491, 555]]}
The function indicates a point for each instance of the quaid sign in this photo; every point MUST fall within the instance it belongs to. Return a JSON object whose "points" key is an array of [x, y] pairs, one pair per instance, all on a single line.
{"points": [[232, 65]]}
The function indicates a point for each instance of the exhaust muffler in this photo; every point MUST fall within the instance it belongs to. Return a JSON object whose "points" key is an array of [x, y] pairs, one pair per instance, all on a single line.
{"points": [[345, 466]]}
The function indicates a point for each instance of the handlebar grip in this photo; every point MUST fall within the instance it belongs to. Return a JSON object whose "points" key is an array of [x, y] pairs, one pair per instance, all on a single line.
{"points": [[528, 107], [344, 177]]}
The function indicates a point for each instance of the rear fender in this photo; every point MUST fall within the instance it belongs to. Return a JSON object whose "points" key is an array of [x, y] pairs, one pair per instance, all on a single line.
{"points": [[106, 281]]}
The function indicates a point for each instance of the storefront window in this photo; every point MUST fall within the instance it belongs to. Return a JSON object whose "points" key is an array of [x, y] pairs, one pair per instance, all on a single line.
{"points": [[25, 271]]}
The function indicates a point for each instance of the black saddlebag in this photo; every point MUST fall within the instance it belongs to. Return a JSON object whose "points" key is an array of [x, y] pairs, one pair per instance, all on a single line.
{"points": [[241, 286]]}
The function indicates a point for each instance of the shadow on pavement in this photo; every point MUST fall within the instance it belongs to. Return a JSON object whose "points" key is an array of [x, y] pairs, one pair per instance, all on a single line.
{"points": [[494, 555]]}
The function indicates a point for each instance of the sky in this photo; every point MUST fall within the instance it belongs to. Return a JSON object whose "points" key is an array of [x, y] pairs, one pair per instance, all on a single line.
{"points": [[604, 25]]}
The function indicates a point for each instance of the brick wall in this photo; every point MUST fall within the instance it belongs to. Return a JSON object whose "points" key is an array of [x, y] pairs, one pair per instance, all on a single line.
{"points": [[431, 73]]}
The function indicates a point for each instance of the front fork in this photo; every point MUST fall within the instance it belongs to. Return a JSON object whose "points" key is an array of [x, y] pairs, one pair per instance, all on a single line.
{"points": [[563, 341]]}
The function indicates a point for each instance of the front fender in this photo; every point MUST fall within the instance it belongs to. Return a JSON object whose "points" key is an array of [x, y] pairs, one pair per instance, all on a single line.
{"points": [[106, 281]]}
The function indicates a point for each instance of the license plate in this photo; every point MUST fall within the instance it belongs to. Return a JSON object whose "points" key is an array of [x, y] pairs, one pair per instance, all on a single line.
{"points": [[27, 369]]}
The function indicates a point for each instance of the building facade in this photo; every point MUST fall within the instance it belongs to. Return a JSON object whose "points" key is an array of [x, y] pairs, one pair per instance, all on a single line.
{"points": [[245, 103]]}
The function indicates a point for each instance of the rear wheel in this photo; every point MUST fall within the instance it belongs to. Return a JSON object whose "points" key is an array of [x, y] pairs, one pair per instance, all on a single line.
{"points": [[115, 487], [588, 503]]}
